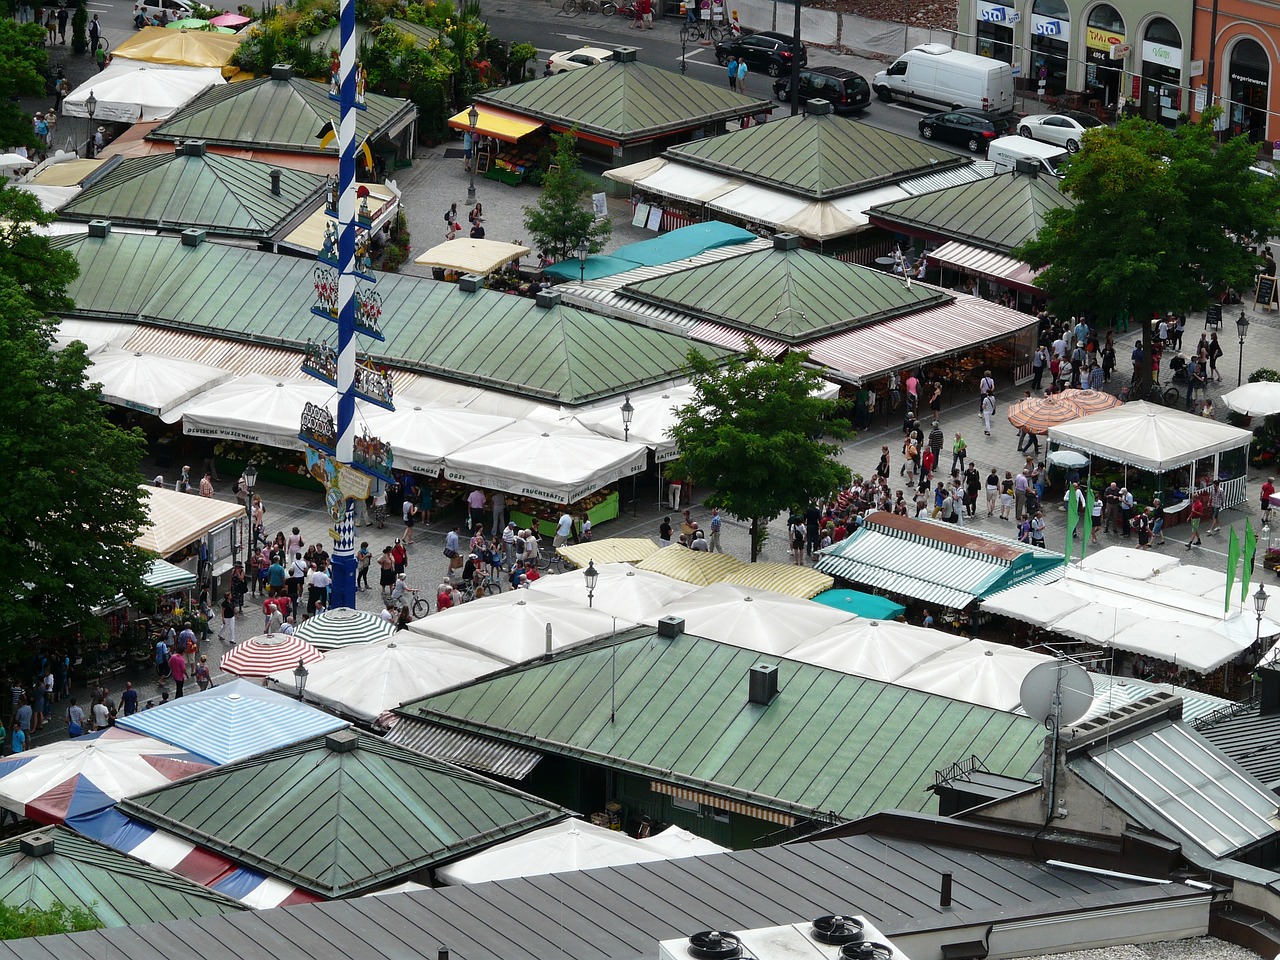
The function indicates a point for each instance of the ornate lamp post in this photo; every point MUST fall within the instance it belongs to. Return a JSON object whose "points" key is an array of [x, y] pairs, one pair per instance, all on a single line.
{"points": [[592, 576], [91, 107], [582, 259], [1259, 607], [300, 674], [1242, 328], [473, 117], [628, 411], [250, 481]]}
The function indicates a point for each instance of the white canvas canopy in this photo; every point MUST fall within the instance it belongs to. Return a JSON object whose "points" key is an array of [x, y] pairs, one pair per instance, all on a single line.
{"points": [[177, 519], [652, 418], [422, 435], [545, 461], [519, 625], [252, 408], [1128, 562], [876, 649], [129, 91], [470, 255], [1033, 603], [686, 183], [621, 590], [363, 682], [1151, 437], [980, 672], [760, 204], [152, 384], [760, 620]]}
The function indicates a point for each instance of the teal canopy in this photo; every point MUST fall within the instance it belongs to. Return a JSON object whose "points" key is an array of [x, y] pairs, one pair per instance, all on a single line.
{"points": [[597, 266], [865, 605], [684, 243]]}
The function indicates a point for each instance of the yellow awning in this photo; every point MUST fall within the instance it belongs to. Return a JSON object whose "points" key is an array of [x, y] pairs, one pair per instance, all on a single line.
{"points": [[177, 519], [472, 256], [691, 566], [496, 123], [69, 173], [803, 582], [613, 550]]}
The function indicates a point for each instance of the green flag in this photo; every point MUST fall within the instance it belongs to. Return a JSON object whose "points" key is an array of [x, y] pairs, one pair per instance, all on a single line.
{"points": [[1250, 548], [1087, 533], [1233, 557], [1073, 515]]}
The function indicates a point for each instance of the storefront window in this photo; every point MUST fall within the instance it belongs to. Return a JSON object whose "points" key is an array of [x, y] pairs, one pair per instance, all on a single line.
{"points": [[1104, 31], [1050, 41], [1249, 74], [1161, 72], [995, 29]]}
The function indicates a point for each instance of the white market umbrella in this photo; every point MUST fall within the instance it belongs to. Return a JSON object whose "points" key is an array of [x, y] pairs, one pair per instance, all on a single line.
{"points": [[130, 91], [621, 590], [559, 848], [366, 681], [268, 654], [653, 415], [512, 626], [470, 255], [344, 627], [977, 672], [1261, 399], [772, 623], [423, 434], [1033, 603], [150, 383], [1095, 623], [876, 649], [1186, 646], [1067, 458], [1128, 562], [254, 409], [15, 161]]}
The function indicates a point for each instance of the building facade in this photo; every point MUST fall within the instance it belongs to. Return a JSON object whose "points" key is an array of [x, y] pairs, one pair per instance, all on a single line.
{"points": [[1240, 65]]}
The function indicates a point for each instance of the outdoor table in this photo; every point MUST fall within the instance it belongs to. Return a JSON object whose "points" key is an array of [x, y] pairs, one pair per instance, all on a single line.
{"points": [[1177, 514]]}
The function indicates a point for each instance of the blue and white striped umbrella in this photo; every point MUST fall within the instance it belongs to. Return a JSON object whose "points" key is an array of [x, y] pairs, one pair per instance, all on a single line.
{"points": [[343, 627]]}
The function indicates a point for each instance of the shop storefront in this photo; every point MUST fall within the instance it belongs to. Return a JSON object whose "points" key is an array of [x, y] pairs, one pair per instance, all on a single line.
{"points": [[1050, 44], [1249, 82], [994, 29], [1161, 91], [1104, 36]]}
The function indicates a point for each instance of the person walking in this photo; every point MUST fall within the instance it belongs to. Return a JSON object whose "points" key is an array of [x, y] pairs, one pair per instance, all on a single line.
{"points": [[958, 452], [731, 68], [62, 25], [1215, 504], [1198, 510], [988, 411], [716, 522], [742, 78]]}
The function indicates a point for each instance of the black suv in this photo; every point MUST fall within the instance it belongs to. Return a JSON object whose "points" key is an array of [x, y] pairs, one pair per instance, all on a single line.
{"points": [[845, 90], [768, 51], [969, 127]]}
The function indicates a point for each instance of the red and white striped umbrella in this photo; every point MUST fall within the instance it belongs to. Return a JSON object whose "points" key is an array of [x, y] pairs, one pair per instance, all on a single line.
{"points": [[268, 654]]}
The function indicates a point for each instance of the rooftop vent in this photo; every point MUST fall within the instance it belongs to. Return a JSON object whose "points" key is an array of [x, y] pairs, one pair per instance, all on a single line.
{"points": [[866, 950], [670, 627], [192, 148], [192, 237], [763, 685], [786, 241], [282, 71], [624, 55], [470, 282], [342, 741], [837, 930], [36, 845], [275, 175], [714, 945], [1029, 167], [547, 299], [818, 108], [99, 228]]}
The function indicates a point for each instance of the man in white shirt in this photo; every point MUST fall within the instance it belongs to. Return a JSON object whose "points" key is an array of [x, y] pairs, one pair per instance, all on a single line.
{"points": [[563, 530], [508, 542], [318, 589]]}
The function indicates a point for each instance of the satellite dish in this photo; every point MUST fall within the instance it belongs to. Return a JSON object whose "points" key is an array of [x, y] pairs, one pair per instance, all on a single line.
{"points": [[1062, 680]]}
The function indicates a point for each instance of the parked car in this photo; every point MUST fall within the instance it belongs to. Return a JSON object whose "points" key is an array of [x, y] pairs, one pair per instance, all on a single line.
{"points": [[573, 59], [972, 129], [1064, 129], [767, 52], [845, 90], [150, 11]]}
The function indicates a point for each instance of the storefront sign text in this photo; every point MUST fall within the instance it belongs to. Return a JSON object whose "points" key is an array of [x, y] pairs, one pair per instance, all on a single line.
{"points": [[1102, 39], [1162, 54], [1048, 27], [988, 12]]}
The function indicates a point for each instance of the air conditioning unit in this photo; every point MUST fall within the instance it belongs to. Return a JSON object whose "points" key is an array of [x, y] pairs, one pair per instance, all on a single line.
{"points": [[835, 937]]}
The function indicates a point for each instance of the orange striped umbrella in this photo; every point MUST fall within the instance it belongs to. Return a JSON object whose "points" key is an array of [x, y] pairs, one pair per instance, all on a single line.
{"points": [[1038, 414], [1090, 401]]}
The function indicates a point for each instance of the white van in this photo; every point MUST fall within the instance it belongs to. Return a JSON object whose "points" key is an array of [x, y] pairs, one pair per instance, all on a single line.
{"points": [[934, 75], [1007, 151]]}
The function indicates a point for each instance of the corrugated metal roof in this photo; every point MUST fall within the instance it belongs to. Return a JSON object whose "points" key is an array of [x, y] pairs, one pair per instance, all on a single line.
{"points": [[116, 888], [830, 741], [431, 327], [1112, 692], [816, 155], [984, 262], [278, 114], [475, 753], [624, 102], [339, 823], [240, 358], [1251, 740], [929, 182]]}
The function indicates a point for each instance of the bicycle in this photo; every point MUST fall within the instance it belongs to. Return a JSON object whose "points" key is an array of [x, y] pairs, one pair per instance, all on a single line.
{"points": [[583, 6], [413, 598], [699, 32], [550, 558], [485, 586]]}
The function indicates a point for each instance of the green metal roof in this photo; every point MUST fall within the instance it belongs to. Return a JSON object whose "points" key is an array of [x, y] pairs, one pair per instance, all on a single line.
{"points": [[830, 741], [340, 821], [269, 114], [790, 295], [119, 890], [816, 155], [623, 101], [485, 338], [226, 195], [998, 213]]}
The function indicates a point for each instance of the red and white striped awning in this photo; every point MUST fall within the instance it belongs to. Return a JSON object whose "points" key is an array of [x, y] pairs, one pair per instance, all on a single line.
{"points": [[986, 263], [722, 803]]}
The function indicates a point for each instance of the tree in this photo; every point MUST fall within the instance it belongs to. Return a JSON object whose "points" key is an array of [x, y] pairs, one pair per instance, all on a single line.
{"points": [[72, 503], [562, 218], [753, 433], [17, 923], [23, 54], [1163, 220]]}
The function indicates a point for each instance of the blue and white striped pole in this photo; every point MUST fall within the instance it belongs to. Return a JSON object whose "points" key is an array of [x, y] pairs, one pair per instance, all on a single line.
{"points": [[343, 588]]}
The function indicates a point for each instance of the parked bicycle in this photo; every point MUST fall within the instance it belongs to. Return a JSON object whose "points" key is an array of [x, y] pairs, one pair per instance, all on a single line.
{"points": [[699, 32], [581, 6]]}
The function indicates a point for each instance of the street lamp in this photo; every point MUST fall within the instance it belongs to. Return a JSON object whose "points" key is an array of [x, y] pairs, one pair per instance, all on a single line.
{"points": [[250, 481], [592, 576], [473, 117], [300, 674], [582, 259], [91, 107], [1260, 607], [628, 411], [1242, 328]]}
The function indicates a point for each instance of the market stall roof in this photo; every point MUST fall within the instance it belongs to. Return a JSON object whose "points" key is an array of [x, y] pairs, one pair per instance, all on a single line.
{"points": [[816, 155], [384, 201], [593, 268], [996, 214], [191, 48], [860, 604], [177, 519], [146, 382], [468, 255], [621, 589], [132, 90], [223, 195], [168, 577], [691, 566], [623, 101], [977, 671], [279, 112], [256, 409], [761, 620], [66, 173], [56, 867], [653, 414], [341, 814], [424, 435], [231, 721], [934, 562], [680, 181], [495, 123], [684, 242], [785, 578], [1149, 436], [875, 649], [994, 266], [612, 550], [549, 353]]}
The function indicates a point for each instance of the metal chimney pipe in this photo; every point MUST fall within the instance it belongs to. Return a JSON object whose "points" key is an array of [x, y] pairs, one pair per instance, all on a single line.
{"points": [[944, 898]]}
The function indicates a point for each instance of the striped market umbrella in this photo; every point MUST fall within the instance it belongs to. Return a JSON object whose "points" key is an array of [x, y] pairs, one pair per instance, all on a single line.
{"points": [[343, 627], [1090, 401], [268, 654], [1038, 414]]}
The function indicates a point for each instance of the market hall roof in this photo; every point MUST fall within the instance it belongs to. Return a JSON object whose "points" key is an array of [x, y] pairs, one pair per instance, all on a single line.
{"points": [[278, 112], [622, 100], [191, 188], [342, 814], [998, 213], [481, 338], [829, 743], [816, 155]]}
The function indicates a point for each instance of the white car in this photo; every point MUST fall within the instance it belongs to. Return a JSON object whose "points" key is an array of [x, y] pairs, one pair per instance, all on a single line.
{"points": [[151, 10], [1063, 129], [573, 59]]}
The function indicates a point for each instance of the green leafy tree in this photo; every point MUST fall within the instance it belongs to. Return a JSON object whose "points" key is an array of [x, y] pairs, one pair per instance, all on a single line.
{"points": [[755, 433], [1163, 220], [562, 217], [25, 62], [17, 923], [73, 505]]}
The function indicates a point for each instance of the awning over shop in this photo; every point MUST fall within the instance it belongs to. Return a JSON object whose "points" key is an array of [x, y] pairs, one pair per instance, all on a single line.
{"points": [[612, 550], [493, 757], [168, 577], [177, 519], [759, 204], [687, 183], [636, 171], [309, 235], [496, 123], [866, 605], [986, 263], [1152, 437], [150, 383], [253, 409], [468, 255]]}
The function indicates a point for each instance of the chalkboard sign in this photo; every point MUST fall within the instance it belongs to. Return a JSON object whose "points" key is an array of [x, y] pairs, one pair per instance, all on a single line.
{"points": [[1265, 292], [1213, 316]]}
